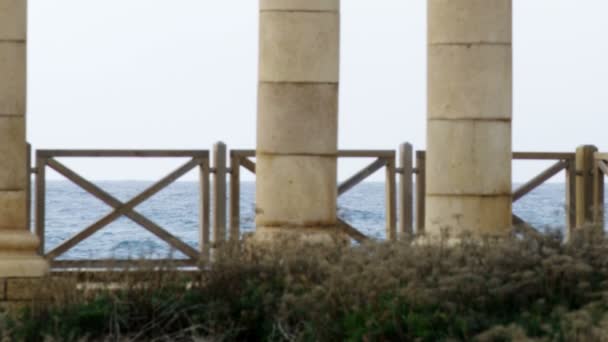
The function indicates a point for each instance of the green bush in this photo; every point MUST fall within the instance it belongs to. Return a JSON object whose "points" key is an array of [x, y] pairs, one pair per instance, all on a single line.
{"points": [[512, 289]]}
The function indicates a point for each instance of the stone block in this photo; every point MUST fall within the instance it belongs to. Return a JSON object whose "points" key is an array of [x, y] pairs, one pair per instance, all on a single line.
{"points": [[305, 5], [13, 18], [299, 47], [470, 82], [469, 157], [18, 241], [21, 264], [469, 21], [485, 216], [297, 118], [12, 78], [293, 238], [13, 153], [296, 191], [13, 210]]}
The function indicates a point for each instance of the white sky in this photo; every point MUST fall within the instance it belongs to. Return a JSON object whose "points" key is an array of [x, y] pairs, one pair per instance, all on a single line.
{"points": [[177, 74]]}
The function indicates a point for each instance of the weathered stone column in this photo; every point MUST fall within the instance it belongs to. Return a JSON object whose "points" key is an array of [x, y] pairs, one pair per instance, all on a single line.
{"points": [[469, 117], [18, 245], [297, 119]]}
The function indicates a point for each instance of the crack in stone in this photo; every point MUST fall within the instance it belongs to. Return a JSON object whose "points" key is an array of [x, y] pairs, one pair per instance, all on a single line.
{"points": [[472, 119], [297, 11], [298, 154], [469, 44], [470, 195]]}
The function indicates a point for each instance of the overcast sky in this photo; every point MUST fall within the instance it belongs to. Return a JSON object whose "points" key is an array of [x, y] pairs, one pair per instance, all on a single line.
{"points": [[178, 74]]}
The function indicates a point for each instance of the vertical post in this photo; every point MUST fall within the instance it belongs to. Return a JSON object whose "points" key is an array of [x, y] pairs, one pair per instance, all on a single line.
{"points": [[235, 194], [570, 197], [598, 194], [406, 218], [420, 191], [584, 185], [391, 201], [204, 240], [28, 187], [219, 193], [40, 200]]}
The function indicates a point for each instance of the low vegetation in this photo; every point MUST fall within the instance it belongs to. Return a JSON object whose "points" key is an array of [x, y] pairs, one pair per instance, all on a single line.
{"points": [[522, 288]]}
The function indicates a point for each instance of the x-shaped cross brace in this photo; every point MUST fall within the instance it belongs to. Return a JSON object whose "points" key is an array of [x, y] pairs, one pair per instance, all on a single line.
{"points": [[126, 209]]}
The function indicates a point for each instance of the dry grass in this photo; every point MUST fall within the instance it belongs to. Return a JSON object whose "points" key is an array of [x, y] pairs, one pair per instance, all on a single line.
{"points": [[515, 289]]}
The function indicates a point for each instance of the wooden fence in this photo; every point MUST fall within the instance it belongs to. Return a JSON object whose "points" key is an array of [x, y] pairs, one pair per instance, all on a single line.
{"points": [[584, 187], [563, 162], [400, 218], [47, 158], [584, 174], [382, 159]]}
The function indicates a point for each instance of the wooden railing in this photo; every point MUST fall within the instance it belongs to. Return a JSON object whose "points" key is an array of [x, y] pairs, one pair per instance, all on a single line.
{"points": [[383, 159], [47, 158], [563, 162], [211, 211], [584, 171]]}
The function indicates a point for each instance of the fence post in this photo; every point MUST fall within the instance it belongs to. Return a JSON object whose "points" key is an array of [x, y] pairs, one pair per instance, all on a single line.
{"points": [[420, 191], [391, 200], [219, 194], [235, 194], [584, 185], [570, 197], [598, 194], [406, 219], [204, 240], [28, 187], [40, 200]]}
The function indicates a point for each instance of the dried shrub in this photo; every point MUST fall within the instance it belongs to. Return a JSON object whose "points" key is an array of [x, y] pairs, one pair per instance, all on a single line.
{"points": [[534, 288]]}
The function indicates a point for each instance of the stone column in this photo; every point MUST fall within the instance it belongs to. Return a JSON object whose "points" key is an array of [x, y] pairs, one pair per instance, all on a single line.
{"points": [[297, 119], [469, 117], [18, 257]]}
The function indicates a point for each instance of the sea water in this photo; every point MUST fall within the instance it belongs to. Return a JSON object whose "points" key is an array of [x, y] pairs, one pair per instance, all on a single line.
{"points": [[70, 209]]}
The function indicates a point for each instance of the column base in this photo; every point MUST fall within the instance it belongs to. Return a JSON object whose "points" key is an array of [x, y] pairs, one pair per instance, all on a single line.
{"points": [[25, 266], [456, 241], [323, 236], [475, 215], [18, 255]]}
